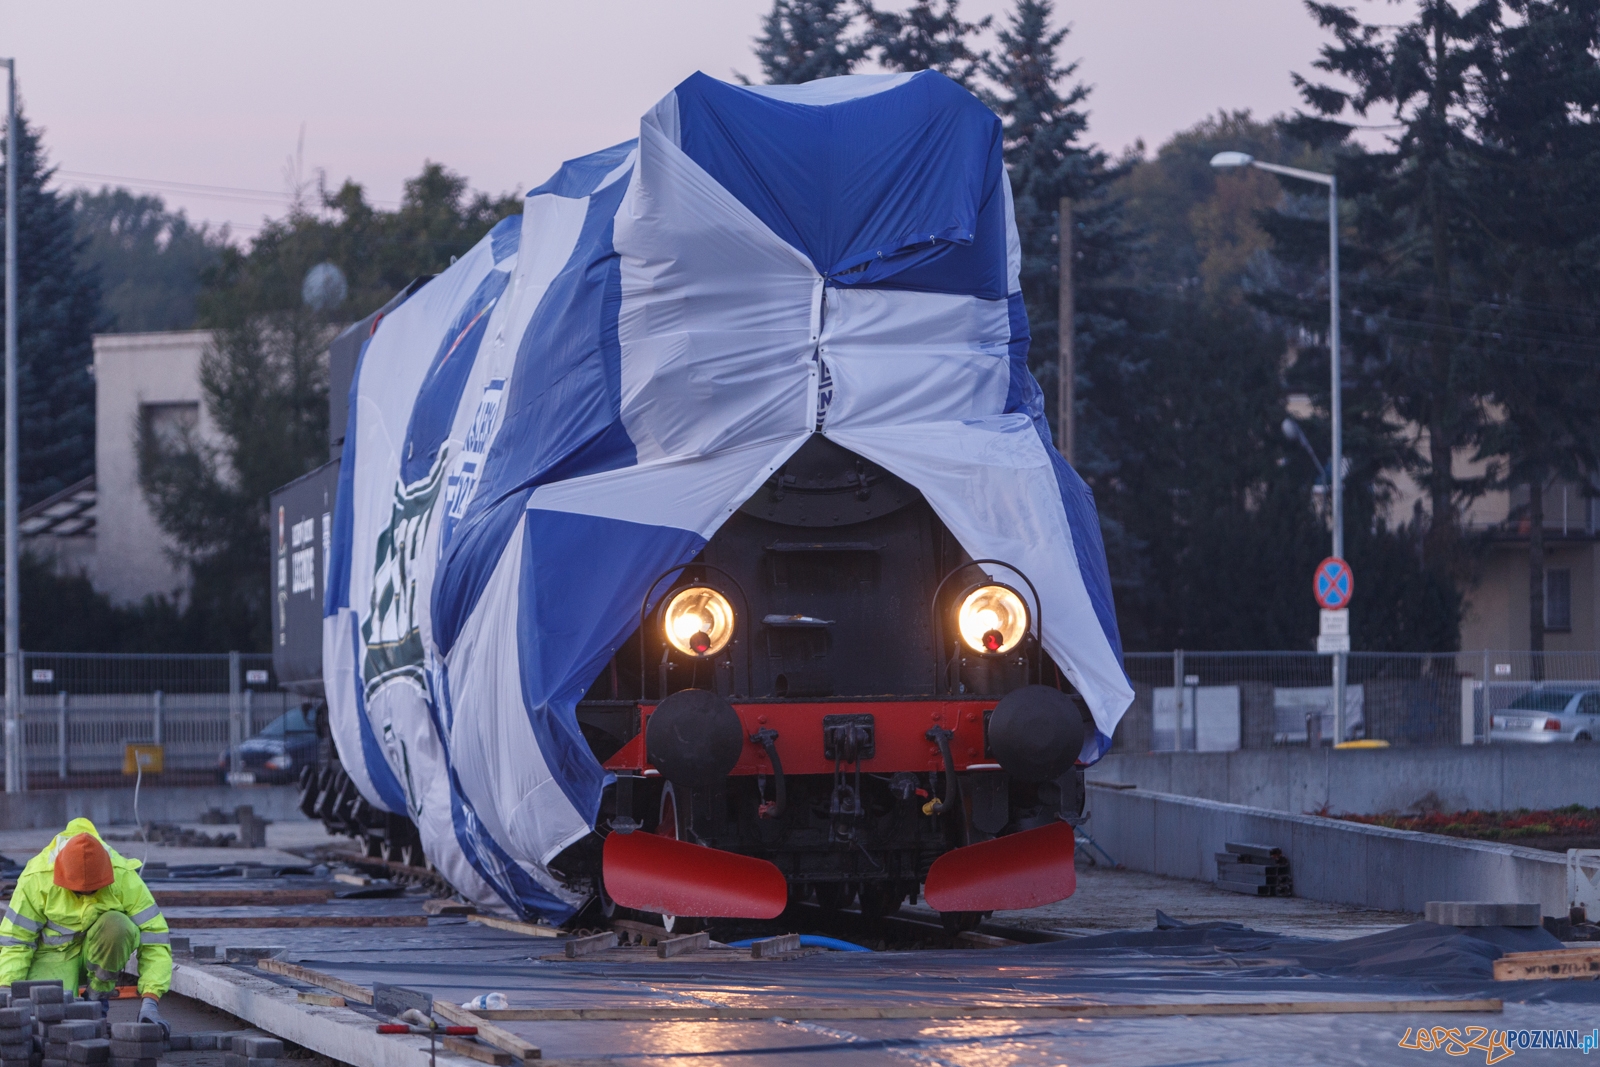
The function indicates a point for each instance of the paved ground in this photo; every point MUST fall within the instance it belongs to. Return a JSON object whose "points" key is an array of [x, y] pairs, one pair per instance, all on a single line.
{"points": [[1128, 900]]}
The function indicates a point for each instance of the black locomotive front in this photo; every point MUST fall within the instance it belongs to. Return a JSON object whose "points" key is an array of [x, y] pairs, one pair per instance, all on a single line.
{"points": [[834, 688]]}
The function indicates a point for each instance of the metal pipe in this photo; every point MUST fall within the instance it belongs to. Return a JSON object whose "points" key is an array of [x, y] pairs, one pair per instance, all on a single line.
{"points": [[14, 740], [1336, 475], [155, 717], [61, 735]]}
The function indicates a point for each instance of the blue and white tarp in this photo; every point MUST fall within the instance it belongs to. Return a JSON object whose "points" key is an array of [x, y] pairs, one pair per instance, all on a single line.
{"points": [[577, 405]]}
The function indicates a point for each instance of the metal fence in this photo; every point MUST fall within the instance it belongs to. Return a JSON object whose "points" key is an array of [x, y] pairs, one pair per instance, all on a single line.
{"points": [[82, 711], [1219, 701]]}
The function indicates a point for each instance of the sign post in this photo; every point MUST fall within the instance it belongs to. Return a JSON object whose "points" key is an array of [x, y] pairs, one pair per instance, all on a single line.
{"points": [[1332, 585]]}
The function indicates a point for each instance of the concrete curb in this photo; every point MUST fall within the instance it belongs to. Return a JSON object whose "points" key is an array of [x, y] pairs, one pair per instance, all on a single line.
{"points": [[50, 809], [339, 1033], [1458, 778], [1332, 860]]}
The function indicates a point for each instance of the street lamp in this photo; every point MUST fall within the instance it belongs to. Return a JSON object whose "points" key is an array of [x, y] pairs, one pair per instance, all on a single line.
{"points": [[1227, 160]]}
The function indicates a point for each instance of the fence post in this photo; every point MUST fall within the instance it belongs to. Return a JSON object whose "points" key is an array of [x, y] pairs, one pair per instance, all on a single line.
{"points": [[155, 717], [235, 715], [1177, 699], [61, 735], [249, 713]]}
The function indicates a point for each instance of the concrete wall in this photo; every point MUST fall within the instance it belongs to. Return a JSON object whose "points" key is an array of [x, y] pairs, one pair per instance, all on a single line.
{"points": [[1341, 862], [131, 553], [1486, 777], [53, 809]]}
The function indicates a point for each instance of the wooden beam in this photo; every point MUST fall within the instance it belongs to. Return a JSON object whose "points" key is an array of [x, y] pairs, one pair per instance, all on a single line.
{"points": [[326, 1000], [930, 1012], [462, 1046], [677, 946], [500, 1038], [643, 931], [588, 946], [348, 990], [1552, 963], [235, 898], [288, 922], [529, 929], [444, 906], [768, 947]]}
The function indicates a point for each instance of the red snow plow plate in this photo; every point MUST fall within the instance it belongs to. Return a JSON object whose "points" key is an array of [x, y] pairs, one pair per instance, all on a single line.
{"points": [[1016, 871], [654, 873]]}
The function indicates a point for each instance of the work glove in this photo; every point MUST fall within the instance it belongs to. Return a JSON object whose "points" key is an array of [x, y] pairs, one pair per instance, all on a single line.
{"points": [[149, 1013]]}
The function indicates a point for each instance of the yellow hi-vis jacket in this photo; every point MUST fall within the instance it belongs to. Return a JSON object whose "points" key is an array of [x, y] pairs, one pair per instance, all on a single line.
{"points": [[44, 915]]}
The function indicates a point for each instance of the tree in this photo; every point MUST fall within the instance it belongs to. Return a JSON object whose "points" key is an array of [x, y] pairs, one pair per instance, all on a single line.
{"points": [[1414, 219], [1044, 128], [264, 377], [58, 310], [149, 259], [1533, 327], [925, 38], [803, 40]]}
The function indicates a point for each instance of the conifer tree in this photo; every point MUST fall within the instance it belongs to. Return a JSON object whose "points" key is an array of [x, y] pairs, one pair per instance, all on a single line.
{"points": [[1044, 129], [926, 37], [58, 311], [802, 40]]}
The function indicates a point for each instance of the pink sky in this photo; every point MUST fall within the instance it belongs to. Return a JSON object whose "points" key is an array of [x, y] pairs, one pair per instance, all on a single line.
{"points": [[208, 94]]}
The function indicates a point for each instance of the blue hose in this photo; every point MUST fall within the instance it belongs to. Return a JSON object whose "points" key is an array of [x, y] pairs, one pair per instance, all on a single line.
{"points": [[810, 941]]}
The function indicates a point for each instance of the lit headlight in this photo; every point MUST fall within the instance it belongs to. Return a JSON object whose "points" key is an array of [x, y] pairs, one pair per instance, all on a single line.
{"points": [[993, 618], [698, 621]]}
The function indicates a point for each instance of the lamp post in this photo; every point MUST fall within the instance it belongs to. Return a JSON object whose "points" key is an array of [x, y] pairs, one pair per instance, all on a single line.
{"points": [[1225, 160], [13, 734]]}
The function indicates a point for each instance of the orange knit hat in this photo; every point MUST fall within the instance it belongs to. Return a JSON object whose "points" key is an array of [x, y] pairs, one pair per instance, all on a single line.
{"points": [[83, 865]]}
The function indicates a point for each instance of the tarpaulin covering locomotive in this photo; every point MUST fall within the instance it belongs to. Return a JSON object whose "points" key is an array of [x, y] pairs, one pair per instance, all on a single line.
{"points": [[698, 539]]}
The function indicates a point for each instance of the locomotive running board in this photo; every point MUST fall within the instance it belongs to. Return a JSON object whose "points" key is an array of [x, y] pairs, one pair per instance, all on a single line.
{"points": [[654, 873], [1017, 871]]}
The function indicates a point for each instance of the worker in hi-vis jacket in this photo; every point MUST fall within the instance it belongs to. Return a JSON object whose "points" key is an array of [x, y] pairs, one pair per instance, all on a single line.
{"points": [[79, 913]]}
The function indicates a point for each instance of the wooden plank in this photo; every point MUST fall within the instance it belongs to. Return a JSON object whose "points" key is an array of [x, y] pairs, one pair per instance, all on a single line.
{"points": [[327, 1000], [931, 1012], [677, 946], [463, 1046], [348, 990], [528, 929], [500, 1038], [236, 898], [352, 879], [288, 922], [767, 947], [1553, 963], [588, 946]]}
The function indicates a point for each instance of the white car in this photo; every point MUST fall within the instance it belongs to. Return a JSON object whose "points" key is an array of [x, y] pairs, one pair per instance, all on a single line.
{"points": [[1548, 715]]}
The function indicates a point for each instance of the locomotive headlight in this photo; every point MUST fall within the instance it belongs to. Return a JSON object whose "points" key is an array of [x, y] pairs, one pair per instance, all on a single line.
{"points": [[698, 621], [992, 618]]}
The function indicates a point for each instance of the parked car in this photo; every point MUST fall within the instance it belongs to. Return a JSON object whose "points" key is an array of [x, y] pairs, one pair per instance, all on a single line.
{"points": [[1549, 715], [277, 753]]}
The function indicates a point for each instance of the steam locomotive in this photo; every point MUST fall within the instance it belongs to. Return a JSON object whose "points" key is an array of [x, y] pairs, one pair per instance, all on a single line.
{"points": [[832, 702]]}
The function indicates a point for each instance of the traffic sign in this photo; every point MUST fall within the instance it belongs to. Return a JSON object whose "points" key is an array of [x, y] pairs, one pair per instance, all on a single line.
{"points": [[1333, 583]]}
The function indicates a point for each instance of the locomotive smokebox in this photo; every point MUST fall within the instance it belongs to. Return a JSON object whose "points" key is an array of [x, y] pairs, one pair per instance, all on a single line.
{"points": [[694, 738], [1036, 733]]}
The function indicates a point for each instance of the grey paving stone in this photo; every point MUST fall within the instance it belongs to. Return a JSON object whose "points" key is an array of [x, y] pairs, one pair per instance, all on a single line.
{"points": [[256, 1047], [95, 1050]]}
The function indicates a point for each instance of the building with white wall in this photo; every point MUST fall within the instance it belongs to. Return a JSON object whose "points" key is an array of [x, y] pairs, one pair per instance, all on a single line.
{"points": [[103, 527]]}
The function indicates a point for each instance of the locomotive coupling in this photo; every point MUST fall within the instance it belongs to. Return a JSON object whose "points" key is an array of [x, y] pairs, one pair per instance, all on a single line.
{"points": [[1036, 733], [694, 738]]}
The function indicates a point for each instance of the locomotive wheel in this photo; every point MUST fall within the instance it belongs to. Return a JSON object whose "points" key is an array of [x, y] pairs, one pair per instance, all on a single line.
{"points": [[881, 898], [667, 826]]}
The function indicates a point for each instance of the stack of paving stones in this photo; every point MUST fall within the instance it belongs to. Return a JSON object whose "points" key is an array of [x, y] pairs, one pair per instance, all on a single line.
{"points": [[251, 1050], [136, 1044], [16, 1033]]}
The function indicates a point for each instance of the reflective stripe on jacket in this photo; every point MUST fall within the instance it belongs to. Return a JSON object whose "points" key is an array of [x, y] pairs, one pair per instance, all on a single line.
{"points": [[44, 915]]}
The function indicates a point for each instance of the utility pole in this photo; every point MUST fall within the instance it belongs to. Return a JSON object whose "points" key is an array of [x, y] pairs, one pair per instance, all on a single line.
{"points": [[13, 611], [1067, 367]]}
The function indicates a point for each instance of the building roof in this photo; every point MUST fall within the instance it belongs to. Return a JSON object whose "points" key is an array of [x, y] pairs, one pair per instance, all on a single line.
{"points": [[69, 513]]}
